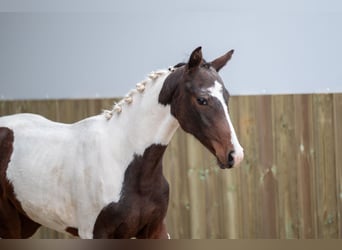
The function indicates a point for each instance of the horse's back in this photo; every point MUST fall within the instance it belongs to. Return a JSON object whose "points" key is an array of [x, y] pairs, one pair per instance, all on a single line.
{"points": [[35, 135], [22, 120], [62, 172], [36, 168]]}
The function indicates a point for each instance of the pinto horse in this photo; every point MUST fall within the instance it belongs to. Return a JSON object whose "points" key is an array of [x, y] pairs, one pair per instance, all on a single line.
{"points": [[102, 177]]}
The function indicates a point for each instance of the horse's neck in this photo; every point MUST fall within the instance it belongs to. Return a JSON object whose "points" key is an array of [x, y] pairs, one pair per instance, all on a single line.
{"points": [[145, 121]]}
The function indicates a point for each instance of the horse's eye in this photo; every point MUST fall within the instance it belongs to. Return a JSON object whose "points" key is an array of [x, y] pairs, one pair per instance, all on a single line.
{"points": [[202, 101]]}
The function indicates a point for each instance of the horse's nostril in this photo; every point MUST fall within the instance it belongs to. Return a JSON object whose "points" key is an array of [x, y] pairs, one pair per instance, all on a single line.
{"points": [[231, 159]]}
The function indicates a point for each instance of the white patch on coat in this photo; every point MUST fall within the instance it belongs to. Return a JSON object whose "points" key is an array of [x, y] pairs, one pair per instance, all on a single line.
{"points": [[217, 91], [64, 174]]}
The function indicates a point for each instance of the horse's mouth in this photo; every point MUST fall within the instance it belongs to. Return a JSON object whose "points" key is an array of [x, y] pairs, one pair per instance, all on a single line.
{"points": [[223, 165], [224, 161]]}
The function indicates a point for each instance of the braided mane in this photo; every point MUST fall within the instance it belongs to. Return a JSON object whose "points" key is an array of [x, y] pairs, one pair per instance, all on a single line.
{"points": [[139, 89]]}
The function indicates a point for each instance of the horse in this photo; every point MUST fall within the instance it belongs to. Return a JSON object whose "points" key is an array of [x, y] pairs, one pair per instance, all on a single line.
{"points": [[102, 177]]}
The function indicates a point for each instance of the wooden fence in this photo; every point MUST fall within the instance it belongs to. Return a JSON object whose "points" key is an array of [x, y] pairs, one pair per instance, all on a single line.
{"points": [[288, 186]]}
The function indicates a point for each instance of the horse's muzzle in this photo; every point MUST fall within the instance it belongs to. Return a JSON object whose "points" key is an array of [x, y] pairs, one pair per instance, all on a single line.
{"points": [[233, 160]]}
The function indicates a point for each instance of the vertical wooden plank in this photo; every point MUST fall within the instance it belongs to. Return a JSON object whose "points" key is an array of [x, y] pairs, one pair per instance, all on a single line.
{"points": [[184, 196], [196, 190], [268, 220], [64, 111], [338, 157], [249, 172], [2, 107], [210, 178], [46, 108], [230, 202], [285, 168], [305, 165], [326, 204], [81, 109]]}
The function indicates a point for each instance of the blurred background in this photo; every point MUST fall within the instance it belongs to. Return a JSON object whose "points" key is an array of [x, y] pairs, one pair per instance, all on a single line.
{"points": [[79, 49]]}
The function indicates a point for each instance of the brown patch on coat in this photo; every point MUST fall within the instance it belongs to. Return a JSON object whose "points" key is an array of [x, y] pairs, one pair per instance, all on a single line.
{"points": [[14, 223], [141, 210]]}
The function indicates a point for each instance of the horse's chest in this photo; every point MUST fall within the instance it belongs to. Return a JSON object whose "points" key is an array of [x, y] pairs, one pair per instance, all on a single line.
{"points": [[143, 202], [134, 216], [152, 210]]}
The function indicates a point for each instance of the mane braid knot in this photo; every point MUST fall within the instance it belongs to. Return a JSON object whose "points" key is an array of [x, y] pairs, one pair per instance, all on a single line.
{"points": [[128, 99]]}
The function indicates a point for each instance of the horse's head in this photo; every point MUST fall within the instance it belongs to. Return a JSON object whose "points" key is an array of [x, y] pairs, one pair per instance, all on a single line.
{"points": [[199, 101]]}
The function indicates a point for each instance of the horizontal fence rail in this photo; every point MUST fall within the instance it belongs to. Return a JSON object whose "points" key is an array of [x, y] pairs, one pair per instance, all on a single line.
{"points": [[288, 186]]}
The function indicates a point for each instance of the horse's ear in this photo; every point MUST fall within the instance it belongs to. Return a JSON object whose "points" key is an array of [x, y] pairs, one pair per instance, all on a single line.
{"points": [[195, 58], [218, 63]]}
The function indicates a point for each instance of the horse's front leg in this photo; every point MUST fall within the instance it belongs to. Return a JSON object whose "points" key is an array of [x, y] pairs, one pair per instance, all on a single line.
{"points": [[162, 233]]}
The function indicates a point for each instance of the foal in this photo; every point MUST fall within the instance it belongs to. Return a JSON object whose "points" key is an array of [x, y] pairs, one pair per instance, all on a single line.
{"points": [[102, 177]]}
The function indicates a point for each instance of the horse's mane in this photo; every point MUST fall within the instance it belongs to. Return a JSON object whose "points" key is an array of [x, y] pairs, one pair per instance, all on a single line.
{"points": [[140, 88]]}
